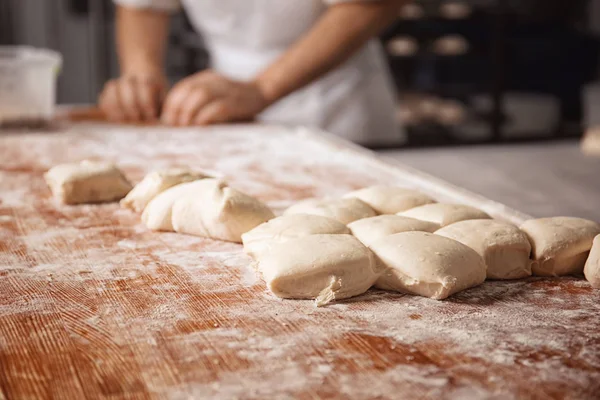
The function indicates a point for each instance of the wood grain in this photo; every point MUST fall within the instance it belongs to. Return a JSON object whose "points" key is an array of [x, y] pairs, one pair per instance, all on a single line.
{"points": [[92, 305]]}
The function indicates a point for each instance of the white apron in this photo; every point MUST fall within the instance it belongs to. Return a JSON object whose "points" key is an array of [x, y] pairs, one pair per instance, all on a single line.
{"points": [[355, 101]]}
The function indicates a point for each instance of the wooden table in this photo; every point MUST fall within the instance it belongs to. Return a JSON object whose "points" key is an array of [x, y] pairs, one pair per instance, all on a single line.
{"points": [[93, 305]]}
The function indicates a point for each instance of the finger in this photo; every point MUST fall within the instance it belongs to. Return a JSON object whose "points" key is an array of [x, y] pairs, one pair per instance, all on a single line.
{"points": [[192, 105], [173, 102], [109, 102], [148, 97], [214, 113], [128, 100]]}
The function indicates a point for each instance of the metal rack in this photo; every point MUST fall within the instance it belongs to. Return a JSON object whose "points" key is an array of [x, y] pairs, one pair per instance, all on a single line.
{"points": [[496, 32]]}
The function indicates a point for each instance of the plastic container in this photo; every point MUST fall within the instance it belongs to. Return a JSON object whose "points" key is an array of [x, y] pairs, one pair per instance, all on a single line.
{"points": [[27, 85]]}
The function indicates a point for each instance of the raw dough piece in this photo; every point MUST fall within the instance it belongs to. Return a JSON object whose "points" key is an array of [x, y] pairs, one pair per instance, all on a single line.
{"points": [[321, 267], [560, 245], [87, 182], [592, 265], [445, 214], [157, 214], [219, 212], [427, 265], [411, 11], [157, 182], [390, 199], [343, 210], [286, 227], [450, 45], [504, 247], [402, 46], [370, 230]]}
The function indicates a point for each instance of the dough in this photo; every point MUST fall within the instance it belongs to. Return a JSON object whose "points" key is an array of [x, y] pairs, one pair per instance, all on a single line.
{"points": [[369, 230], [87, 182], [157, 214], [402, 46], [560, 245], [411, 11], [504, 248], [343, 210], [157, 182], [321, 267], [428, 265], [445, 214], [592, 265], [450, 45], [218, 212], [455, 10], [286, 227], [390, 199]]}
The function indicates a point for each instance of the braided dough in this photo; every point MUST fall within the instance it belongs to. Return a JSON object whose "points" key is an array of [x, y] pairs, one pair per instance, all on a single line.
{"points": [[592, 265], [504, 248], [445, 214], [342, 210], [390, 199], [320, 267], [427, 265], [560, 244], [287, 227], [369, 230]]}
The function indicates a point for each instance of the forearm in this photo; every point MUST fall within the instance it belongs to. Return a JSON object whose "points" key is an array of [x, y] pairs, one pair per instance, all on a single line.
{"points": [[141, 40], [339, 33]]}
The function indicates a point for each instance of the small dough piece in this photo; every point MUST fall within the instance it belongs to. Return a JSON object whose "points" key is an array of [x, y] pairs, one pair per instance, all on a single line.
{"points": [[321, 267], [157, 182], [157, 214], [445, 214], [504, 247], [286, 227], [219, 212], [390, 199], [370, 230], [343, 210], [592, 265], [560, 245], [427, 265], [87, 182]]}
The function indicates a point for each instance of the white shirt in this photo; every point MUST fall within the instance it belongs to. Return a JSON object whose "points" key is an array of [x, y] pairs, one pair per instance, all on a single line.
{"points": [[355, 101]]}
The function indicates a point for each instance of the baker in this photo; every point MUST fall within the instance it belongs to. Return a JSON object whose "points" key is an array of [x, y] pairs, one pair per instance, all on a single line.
{"points": [[299, 62]]}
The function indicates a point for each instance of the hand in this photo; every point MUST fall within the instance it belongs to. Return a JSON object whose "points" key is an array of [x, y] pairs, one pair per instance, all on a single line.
{"points": [[133, 98], [209, 98]]}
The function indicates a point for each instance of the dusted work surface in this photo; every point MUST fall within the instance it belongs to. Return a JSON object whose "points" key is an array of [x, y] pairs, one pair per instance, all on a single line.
{"points": [[541, 179], [92, 305]]}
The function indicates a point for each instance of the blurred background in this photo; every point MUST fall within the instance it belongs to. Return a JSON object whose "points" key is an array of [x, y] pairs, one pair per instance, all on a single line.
{"points": [[468, 71]]}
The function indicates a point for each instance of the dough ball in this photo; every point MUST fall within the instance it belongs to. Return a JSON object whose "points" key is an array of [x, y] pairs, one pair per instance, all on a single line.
{"points": [[343, 210], [427, 265], [390, 199], [158, 212], [504, 247], [218, 212], [286, 227], [87, 182], [411, 11], [592, 265], [455, 10], [157, 182], [445, 214], [560, 244], [451, 113], [321, 267], [370, 230], [450, 45], [402, 46]]}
